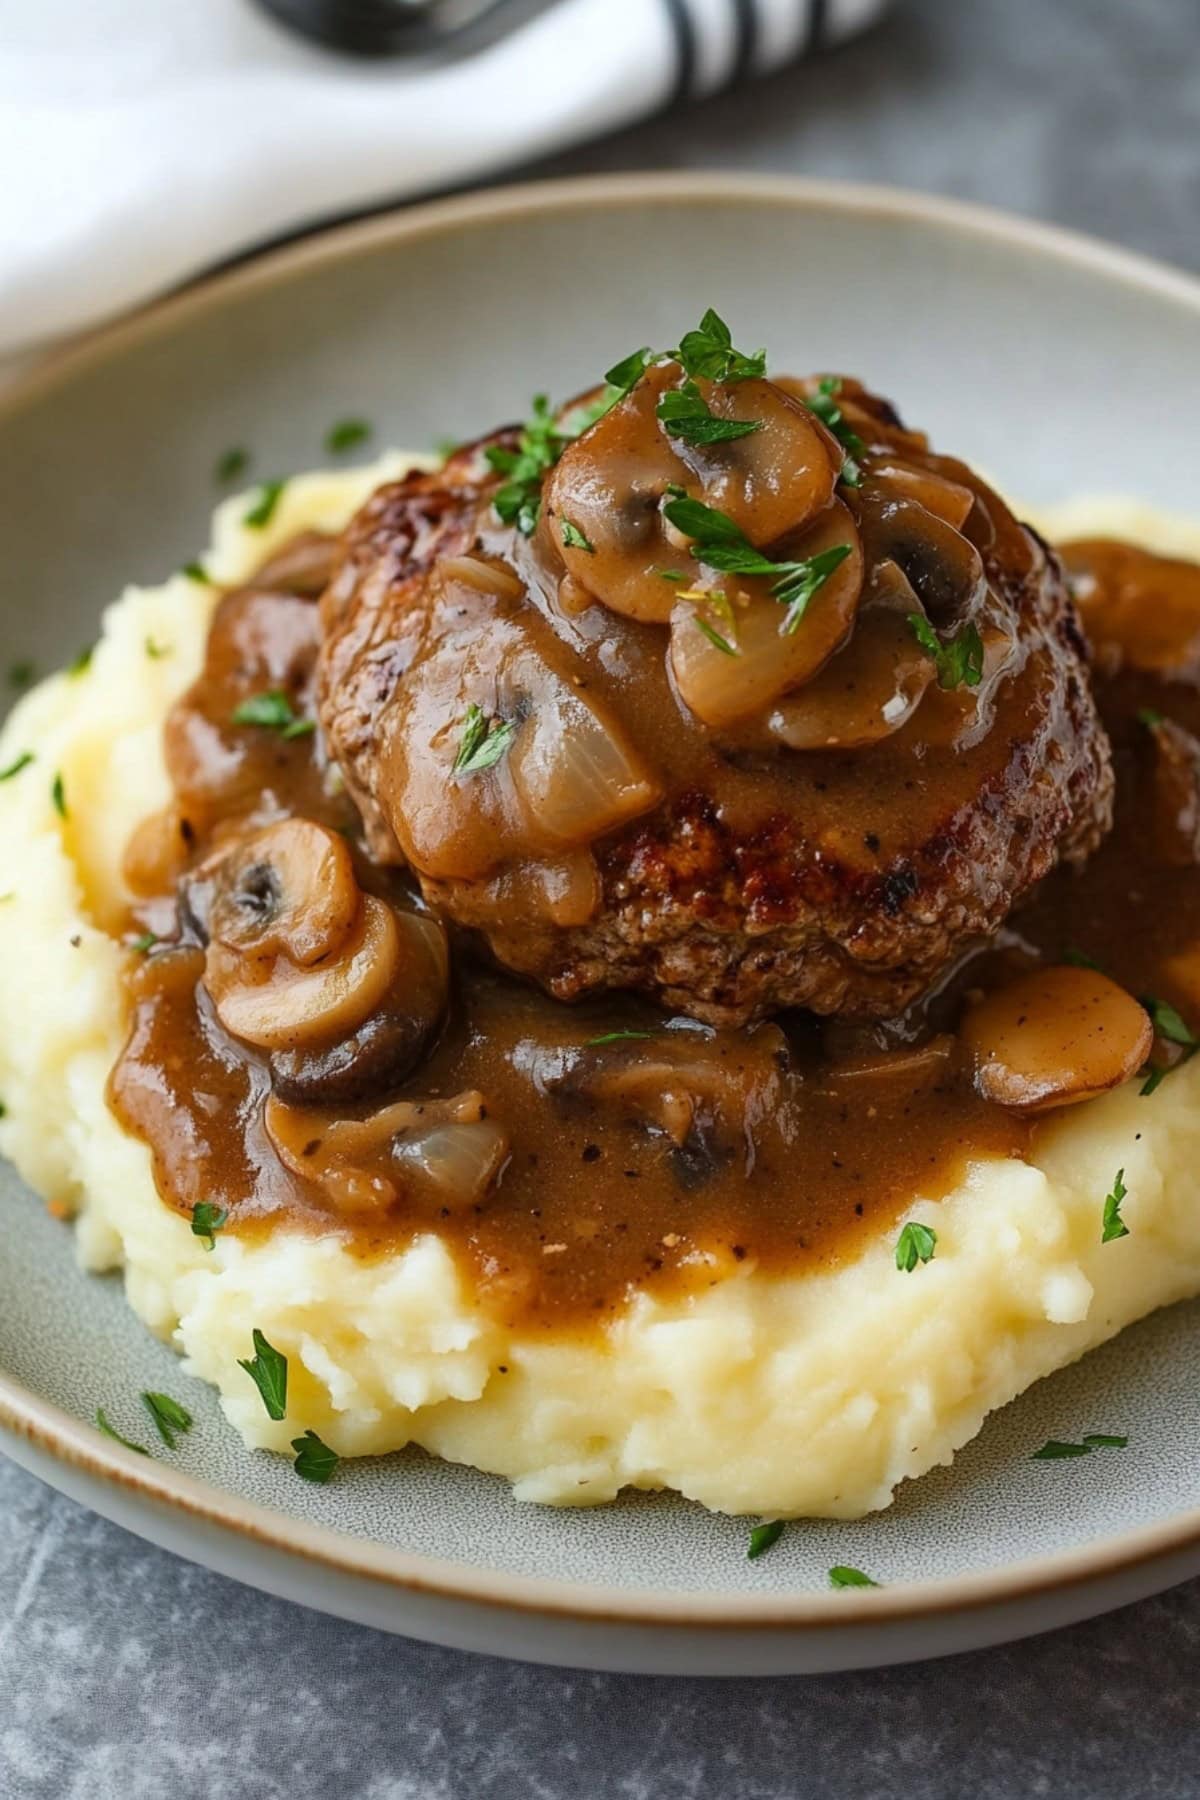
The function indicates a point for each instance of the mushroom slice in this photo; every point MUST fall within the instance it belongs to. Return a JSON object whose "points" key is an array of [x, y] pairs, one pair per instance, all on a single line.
{"points": [[391, 1040], [760, 658], [1055, 1037], [948, 500], [872, 686], [287, 890], [278, 1004], [775, 480]]}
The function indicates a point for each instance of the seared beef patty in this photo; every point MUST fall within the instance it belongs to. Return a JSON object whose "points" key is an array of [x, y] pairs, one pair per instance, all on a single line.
{"points": [[784, 714]]}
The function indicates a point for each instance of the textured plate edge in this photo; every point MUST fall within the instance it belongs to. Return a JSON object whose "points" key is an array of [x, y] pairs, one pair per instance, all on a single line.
{"points": [[1153, 1555]]}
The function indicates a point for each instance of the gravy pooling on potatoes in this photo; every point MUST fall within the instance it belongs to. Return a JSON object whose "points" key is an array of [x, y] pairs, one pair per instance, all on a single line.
{"points": [[570, 1154]]}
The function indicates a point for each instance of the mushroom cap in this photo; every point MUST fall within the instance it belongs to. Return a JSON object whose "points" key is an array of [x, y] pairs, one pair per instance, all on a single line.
{"points": [[1055, 1037]]}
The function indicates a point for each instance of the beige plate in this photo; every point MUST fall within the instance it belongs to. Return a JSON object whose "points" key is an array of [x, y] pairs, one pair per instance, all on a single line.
{"points": [[1057, 364]]}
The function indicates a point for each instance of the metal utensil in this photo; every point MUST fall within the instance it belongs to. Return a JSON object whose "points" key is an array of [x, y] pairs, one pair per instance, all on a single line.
{"points": [[403, 27]]}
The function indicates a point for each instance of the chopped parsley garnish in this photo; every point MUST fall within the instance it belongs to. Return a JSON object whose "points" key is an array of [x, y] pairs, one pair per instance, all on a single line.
{"points": [[144, 944], [196, 571], [155, 650], [1151, 1082], [670, 574], [484, 741], [624, 376], [58, 795], [825, 405], [1149, 716], [616, 1037], [20, 675], [916, 1244], [959, 660], [82, 662], [1079, 959], [346, 434], [263, 510], [518, 500], [720, 543], [762, 1537], [709, 351], [207, 1220], [1114, 1225], [314, 1460], [1054, 1450], [714, 637], [3, 1107], [843, 1576], [168, 1415], [274, 711], [230, 464], [268, 1370], [575, 539], [1168, 1024], [14, 768], [110, 1431], [686, 414]]}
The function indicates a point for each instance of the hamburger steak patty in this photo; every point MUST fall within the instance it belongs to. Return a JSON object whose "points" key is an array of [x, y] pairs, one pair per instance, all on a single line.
{"points": [[606, 744]]}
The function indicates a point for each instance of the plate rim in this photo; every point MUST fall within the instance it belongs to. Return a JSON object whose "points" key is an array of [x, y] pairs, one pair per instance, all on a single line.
{"points": [[78, 1446]]}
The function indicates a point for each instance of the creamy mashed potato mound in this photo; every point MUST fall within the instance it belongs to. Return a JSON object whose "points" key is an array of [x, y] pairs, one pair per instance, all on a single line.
{"points": [[814, 1394]]}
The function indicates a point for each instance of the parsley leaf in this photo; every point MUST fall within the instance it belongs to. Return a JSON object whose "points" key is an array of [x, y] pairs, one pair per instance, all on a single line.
{"points": [[720, 543], [624, 376], [346, 434], [82, 662], [144, 944], [207, 1220], [709, 351], [959, 660], [1054, 1450], [1079, 959], [196, 571], [616, 1037], [518, 500], [915, 1244], [1151, 1082], [484, 741], [843, 1576], [58, 795], [762, 1537], [155, 650], [829, 412], [1114, 1225], [230, 464], [575, 539], [1168, 1024], [714, 637], [261, 513], [268, 1370], [314, 1460], [20, 675], [274, 711], [1149, 716], [168, 1415], [14, 768], [110, 1431], [686, 414]]}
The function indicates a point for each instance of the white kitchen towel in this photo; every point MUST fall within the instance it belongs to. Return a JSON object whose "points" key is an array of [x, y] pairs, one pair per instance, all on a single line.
{"points": [[144, 140]]}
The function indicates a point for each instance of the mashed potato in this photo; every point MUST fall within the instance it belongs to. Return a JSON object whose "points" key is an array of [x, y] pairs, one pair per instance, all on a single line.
{"points": [[806, 1395]]}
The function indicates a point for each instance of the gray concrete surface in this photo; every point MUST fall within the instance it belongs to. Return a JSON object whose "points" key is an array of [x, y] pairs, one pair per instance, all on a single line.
{"points": [[127, 1674]]}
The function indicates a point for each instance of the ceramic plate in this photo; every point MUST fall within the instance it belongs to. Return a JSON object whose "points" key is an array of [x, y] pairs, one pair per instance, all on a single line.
{"points": [[1055, 364]]}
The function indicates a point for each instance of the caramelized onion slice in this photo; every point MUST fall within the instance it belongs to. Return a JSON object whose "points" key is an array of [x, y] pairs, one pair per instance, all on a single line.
{"points": [[1055, 1037], [767, 661], [452, 1146], [278, 1004]]}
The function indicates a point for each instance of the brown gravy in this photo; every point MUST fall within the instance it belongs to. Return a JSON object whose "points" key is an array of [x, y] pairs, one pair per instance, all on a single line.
{"points": [[806, 1139]]}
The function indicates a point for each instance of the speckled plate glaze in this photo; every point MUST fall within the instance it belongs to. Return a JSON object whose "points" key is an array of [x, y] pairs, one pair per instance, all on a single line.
{"points": [[1058, 365]]}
